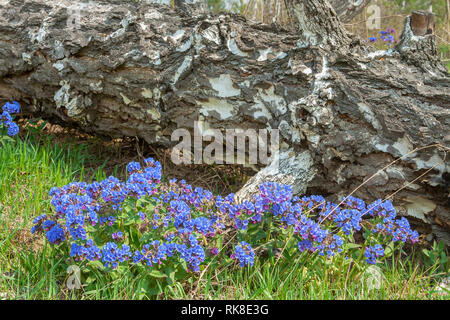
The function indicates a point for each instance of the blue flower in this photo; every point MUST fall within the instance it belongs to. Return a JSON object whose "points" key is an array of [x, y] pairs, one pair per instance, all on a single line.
{"points": [[372, 253], [117, 235], [133, 167], [275, 193], [56, 235], [86, 251], [6, 118], [244, 253], [113, 255], [11, 107]]}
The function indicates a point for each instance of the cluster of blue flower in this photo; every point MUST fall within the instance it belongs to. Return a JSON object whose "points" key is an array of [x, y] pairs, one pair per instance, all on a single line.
{"points": [[386, 36], [113, 255], [85, 251], [244, 253], [6, 119], [182, 222]]}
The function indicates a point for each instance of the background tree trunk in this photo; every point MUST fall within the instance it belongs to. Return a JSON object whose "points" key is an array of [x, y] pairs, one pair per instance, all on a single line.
{"points": [[192, 7], [317, 24], [346, 10], [344, 111]]}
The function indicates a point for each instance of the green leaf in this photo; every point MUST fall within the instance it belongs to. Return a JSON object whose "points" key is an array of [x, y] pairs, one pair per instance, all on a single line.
{"points": [[153, 291], [157, 274], [351, 246], [135, 235], [287, 255], [443, 258], [258, 235], [6, 138], [170, 272], [97, 264], [182, 273], [389, 250], [90, 280]]}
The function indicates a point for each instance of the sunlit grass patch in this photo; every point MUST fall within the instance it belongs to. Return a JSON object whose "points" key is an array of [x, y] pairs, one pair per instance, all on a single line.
{"points": [[32, 269]]}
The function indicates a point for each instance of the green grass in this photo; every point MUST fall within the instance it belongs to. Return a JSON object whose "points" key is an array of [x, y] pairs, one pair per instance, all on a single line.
{"points": [[28, 169], [31, 269]]}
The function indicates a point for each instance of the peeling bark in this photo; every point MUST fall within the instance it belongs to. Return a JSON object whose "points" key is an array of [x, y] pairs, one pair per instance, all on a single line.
{"points": [[142, 69]]}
